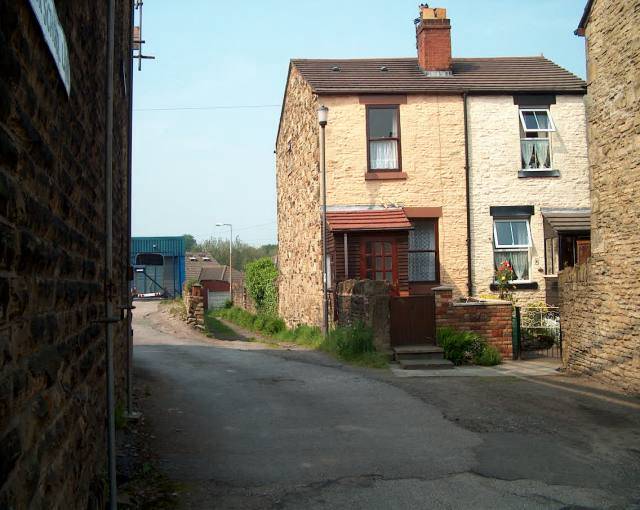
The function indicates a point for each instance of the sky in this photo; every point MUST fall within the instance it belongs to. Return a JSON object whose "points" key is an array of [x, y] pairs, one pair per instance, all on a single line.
{"points": [[197, 167]]}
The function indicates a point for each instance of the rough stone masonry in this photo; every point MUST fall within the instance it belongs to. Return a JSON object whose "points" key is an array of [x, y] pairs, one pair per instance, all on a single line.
{"points": [[600, 301], [52, 353]]}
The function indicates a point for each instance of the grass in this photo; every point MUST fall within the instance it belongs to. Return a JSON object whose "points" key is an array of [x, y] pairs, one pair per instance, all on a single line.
{"points": [[352, 344], [175, 307], [216, 328]]}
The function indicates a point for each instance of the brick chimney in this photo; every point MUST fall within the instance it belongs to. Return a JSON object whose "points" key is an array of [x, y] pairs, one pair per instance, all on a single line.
{"points": [[433, 35]]}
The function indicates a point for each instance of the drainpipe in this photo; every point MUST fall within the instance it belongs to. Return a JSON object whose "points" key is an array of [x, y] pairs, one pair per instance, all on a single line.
{"points": [[467, 171], [108, 270], [129, 298]]}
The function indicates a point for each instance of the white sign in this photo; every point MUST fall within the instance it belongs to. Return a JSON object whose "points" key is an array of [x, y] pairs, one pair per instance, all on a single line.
{"points": [[45, 11]]}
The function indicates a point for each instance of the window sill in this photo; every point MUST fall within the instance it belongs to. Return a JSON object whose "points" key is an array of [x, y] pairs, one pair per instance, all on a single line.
{"points": [[524, 174], [519, 286], [385, 176]]}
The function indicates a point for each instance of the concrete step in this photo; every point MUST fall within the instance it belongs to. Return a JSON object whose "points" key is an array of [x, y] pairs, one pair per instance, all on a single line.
{"points": [[425, 364], [415, 352]]}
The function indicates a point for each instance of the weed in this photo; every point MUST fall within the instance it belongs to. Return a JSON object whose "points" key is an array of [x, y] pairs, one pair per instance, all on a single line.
{"points": [[489, 357]]}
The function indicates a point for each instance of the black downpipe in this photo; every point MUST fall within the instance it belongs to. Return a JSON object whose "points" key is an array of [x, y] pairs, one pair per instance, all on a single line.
{"points": [[467, 175]]}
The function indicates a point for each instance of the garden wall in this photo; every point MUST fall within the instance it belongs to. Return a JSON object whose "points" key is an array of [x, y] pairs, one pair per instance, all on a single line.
{"points": [[241, 298], [490, 319], [366, 302]]}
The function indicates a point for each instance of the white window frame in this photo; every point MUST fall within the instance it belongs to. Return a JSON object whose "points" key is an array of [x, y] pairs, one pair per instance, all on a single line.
{"points": [[510, 246], [514, 247], [551, 128]]}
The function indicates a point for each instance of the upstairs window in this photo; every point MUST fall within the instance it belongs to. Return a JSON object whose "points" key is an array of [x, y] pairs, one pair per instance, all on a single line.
{"points": [[512, 241], [383, 138], [536, 124]]}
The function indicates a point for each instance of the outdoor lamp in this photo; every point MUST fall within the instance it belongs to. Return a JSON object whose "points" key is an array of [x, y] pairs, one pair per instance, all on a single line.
{"points": [[323, 114]]}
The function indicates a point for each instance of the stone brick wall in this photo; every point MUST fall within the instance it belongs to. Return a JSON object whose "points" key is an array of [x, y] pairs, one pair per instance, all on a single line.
{"points": [[241, 297], [366, 302], [490, 319], [298, 187], [432, 151], [494, 155], [194, 304], [599, 301], [52, 354]]}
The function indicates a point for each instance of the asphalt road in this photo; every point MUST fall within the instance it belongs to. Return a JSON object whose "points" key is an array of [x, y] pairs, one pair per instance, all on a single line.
{"points": [[246, 426]]}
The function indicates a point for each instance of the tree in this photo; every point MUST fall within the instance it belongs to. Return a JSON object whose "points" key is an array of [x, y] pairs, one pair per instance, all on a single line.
{"points": [[260, 279], [243, 253], [190, 243]]}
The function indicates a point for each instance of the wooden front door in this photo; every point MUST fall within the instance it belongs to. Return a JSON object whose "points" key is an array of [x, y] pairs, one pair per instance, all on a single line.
{"points": [[413, 320], [379, 260]]}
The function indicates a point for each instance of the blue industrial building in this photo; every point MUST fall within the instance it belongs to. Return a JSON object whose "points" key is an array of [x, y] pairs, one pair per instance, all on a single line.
{"points": [[158, 266]]}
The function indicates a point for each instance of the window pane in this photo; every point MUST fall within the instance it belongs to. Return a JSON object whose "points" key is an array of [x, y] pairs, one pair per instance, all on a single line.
{"points": [[422, 267], [520, 233], [379, 263], [388, 263], [387, 248], [530, 121], [383, 154], [543, 119], [519, 261], [383, 123], [379, 275], [503, 231], [389, 277], [423, 236]]}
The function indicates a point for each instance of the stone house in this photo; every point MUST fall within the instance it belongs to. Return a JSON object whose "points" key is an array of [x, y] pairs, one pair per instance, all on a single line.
{"points": [[407, 151], [52, 248], [600, 299]]}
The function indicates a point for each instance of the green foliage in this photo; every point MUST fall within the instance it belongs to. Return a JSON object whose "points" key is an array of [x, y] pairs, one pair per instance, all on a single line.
{"points": [[189, 242], [304, 335], [190, 283], [260, 280], [460, 346], [216, 328], [228, 303], [260, 323], [354, 344], [489, 357], [243, 253]]}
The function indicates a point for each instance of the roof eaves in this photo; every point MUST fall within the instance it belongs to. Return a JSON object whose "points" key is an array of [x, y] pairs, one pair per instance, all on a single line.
{"points": [[585, 19]]}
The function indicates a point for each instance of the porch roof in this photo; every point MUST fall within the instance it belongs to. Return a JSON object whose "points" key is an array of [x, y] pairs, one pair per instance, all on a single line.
{"points": [[567, 219], [368, 220]]}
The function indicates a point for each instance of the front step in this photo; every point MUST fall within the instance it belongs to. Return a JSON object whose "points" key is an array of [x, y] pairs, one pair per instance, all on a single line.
{"points": [[421, 357], [425, 364]]}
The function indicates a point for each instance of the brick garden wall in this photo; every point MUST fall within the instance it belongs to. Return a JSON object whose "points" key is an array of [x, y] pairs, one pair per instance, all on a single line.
{"points": [[599, 302], [491, 319], [52, 355]]}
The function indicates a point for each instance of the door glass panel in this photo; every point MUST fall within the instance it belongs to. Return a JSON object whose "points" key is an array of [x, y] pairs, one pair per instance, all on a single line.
{"points": [[378, 248], [389, 277], [379, 263], [388, 263], [379, 275], [387, 248]]}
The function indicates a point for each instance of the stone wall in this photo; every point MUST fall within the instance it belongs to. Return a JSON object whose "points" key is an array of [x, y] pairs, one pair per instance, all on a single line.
{"points": [[432, 153], [600, 310], [299, 219], [366, 302], [194, 304], [490, 319], [241, 297], [52, 350], [494, 154]]}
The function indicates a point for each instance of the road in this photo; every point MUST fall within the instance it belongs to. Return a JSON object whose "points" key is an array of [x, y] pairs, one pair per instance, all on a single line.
{"points": [[247, 426]]}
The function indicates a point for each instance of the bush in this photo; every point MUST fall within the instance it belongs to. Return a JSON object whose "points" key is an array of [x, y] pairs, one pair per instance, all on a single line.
{"points": [[228, 304], [190, 283], [460, 346], [260, 280], [489, 357], [350, 342]]}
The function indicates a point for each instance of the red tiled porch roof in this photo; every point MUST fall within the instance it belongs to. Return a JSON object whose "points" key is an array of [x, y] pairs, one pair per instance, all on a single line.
{"points": [[370, 220]]}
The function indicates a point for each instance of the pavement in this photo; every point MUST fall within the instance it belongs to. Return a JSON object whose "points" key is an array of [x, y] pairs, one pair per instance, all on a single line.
{"points": [[243, 425]]}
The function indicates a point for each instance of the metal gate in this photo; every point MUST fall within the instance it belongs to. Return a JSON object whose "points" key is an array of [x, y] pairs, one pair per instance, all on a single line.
{"points": [[536, 332], [216, 299], [413, 320]]}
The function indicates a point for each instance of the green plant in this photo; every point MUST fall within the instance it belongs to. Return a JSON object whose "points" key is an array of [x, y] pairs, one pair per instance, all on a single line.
{"points": [[228, 304], [459, 346], [190, 283], [260, 280], [489, 357], [504, 275]]}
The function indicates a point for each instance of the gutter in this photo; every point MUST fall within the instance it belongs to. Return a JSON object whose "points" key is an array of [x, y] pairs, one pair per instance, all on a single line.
{"points": [[467, 171]]}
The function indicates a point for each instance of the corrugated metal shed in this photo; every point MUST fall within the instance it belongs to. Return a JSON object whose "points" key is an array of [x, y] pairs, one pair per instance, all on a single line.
{"points": [[167, 278]]}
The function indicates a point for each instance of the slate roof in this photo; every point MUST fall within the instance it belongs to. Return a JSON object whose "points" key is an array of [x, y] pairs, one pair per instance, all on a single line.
{"points": [[402, 75], [385, 219]]}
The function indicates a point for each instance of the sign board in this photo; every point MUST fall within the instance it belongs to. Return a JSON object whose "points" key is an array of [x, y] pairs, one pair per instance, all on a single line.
{"points": [[47, 16]]}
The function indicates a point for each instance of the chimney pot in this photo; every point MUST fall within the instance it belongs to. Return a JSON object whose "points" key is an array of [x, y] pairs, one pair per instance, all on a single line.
{"points": [[433, 41]]}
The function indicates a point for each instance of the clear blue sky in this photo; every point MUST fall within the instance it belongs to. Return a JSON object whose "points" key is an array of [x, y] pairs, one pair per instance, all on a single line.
{"points": [[197, 167]]}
